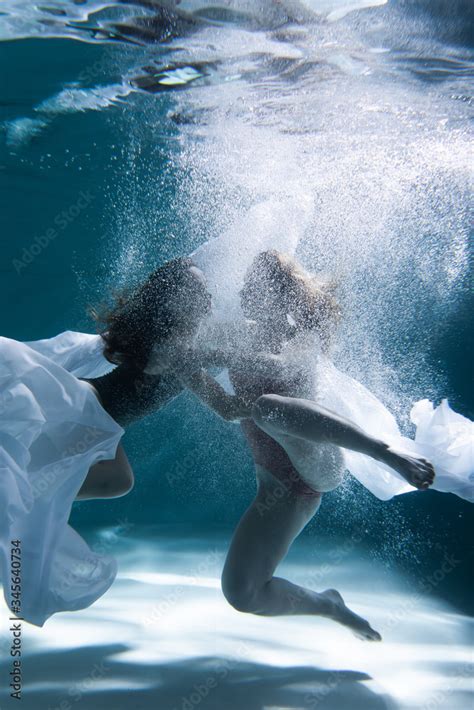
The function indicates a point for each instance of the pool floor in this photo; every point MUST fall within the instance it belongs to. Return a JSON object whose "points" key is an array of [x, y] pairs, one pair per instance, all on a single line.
{"points": [[163, 637]]}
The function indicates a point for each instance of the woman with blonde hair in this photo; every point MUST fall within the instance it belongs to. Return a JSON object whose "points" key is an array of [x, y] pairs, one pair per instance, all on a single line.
{"points": [[301, 417]]}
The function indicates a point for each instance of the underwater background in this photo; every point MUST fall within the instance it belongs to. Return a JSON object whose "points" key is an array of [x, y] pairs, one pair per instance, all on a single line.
{"points": [[126, 142]]}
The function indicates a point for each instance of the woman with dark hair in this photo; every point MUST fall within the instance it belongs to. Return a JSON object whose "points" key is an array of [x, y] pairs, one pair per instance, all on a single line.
{"points": [[163, 312], [62, 413], [168, 306]]}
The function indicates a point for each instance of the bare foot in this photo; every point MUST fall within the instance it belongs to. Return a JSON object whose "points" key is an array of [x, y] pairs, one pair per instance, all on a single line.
{"points": [[417, 471], [339, 612]]}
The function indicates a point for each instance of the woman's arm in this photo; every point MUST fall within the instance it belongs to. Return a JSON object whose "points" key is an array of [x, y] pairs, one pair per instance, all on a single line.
{"points": [[258, 363], [186, 366], [109, 478], [209, 391]]}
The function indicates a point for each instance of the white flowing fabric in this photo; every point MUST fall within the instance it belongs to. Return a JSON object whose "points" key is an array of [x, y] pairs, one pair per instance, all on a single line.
{"points": [[52, 430], [81, 354], [443, 436]]}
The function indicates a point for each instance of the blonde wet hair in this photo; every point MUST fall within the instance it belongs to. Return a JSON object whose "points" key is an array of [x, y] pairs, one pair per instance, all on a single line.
{"points": [[307, 299]]}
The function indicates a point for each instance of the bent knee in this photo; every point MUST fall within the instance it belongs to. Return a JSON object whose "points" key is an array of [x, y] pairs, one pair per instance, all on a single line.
{"points": [[267, 407], [241, 593]]}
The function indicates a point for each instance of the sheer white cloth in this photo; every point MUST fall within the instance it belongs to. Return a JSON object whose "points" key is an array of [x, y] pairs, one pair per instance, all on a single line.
{"points": [[443, 436], [52, 430]]}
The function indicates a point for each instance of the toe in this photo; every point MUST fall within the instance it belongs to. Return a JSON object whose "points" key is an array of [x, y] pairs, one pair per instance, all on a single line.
{"points": [[369, 635]]}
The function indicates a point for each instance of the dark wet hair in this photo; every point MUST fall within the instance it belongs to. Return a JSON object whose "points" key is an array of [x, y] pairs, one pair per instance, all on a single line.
{"points": [[172, 299], [308, 299]]}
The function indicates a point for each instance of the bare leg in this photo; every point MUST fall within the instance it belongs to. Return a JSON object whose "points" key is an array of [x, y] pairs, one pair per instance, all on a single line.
{"points": [[108, 479], [304, 419], [260, 542]]}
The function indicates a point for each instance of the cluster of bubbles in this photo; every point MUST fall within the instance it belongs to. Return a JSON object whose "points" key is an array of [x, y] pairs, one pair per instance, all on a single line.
{"points": [[321, 144]]}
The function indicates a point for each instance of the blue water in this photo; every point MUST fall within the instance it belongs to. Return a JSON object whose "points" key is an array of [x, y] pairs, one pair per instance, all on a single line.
{"points": [[360, 121]]}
